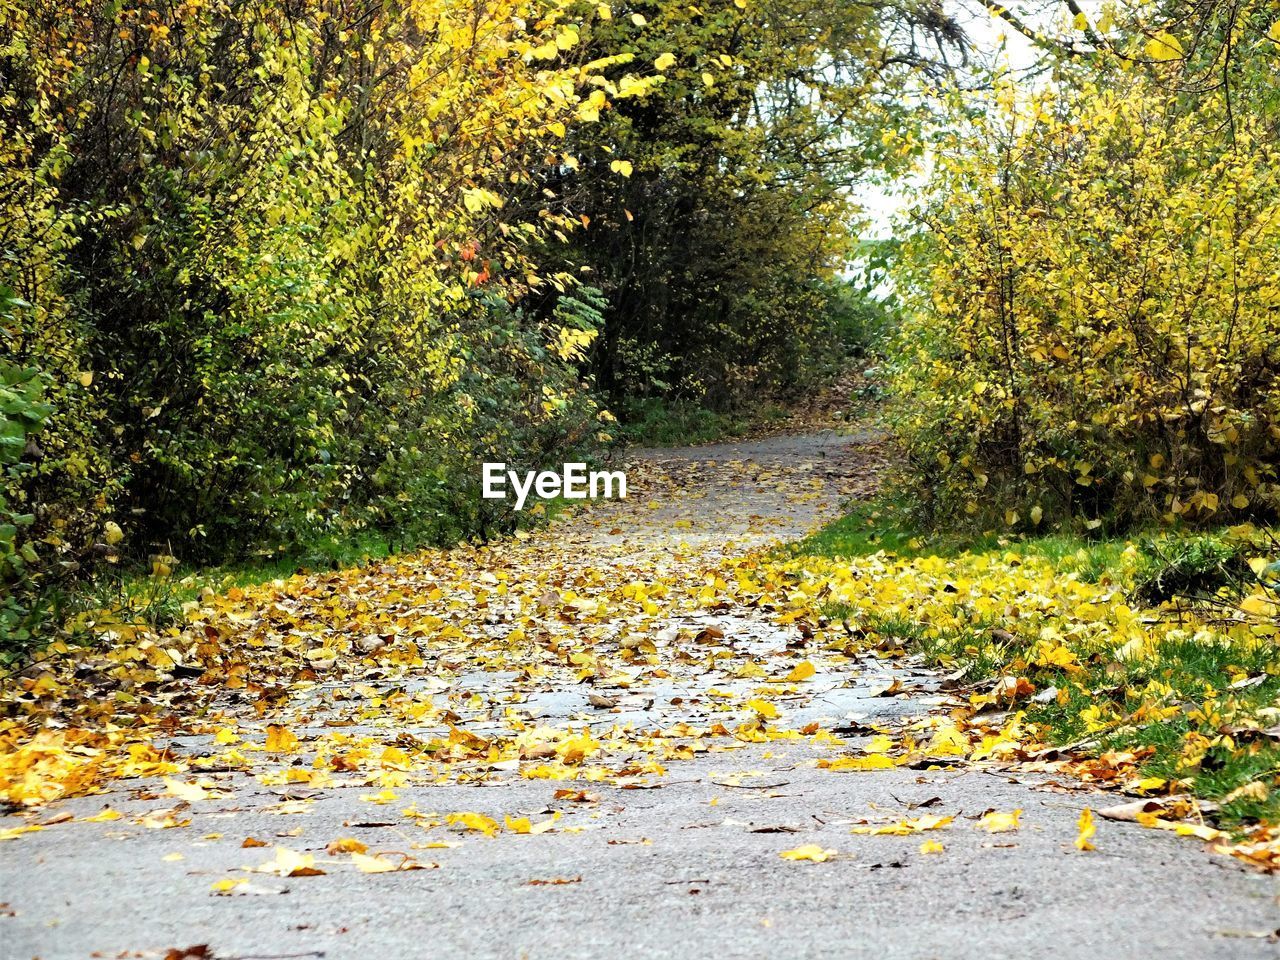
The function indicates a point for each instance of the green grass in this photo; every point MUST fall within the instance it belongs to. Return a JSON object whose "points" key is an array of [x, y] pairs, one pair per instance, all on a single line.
{"points": [[887, 526], [1196, 672], [659, 423]]}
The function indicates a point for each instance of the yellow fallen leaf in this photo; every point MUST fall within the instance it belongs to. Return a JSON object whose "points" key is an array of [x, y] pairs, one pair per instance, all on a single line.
{"points": [[381, 864], [948, 741], [876, 761], [474, 821], [1087, 830], [522, 825], [995, 822], [906, 826], [764, 708], [1198, 830], [802, 671], [280, 739], [931, 846], [106, 816], [190, 792], [290, 863], [223, 887], [345, 845], [810, 851]]}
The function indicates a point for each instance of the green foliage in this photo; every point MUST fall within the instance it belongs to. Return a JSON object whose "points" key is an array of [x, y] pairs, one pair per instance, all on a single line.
{"points": [[276, 258], [23, 413], [1194, 567], [654, 422], [721, 240]]}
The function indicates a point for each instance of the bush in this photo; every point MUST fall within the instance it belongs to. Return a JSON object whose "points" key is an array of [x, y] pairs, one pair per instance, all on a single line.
{"points": [[1093, 322], [22, 414], [274, 300]]}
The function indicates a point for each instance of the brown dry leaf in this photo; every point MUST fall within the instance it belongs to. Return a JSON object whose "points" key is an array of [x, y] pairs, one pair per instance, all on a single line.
{"points": [[1129, 812], [577, 796]]}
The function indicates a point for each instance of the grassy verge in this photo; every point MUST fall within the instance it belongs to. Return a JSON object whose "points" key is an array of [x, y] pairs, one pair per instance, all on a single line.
{"points": [[157, 597], [658, 423], [1158, 654]]}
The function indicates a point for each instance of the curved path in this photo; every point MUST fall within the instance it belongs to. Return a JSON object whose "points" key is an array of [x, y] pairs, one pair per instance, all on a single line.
{"points": [[632, 864]]}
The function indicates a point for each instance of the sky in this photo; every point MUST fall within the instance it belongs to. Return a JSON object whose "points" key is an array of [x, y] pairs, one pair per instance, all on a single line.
{"points": [[991, 38]]}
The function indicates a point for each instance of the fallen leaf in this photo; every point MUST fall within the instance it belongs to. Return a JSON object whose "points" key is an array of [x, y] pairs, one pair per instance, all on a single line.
{"points": [[344, 845], [382, 864], [995, 822], [290, 863], [810, 852], [1087, 830]]}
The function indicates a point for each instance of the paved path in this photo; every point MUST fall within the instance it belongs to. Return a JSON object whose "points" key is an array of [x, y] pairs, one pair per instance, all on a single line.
{"points": [[684, 865]]}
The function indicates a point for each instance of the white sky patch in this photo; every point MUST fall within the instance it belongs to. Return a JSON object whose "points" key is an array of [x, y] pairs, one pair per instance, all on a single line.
{"points": [[994, 42]]}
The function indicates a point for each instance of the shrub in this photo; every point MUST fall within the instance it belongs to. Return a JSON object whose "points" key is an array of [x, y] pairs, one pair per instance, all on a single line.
{"points": [[276, 255], [22, 413], [1093, 322]]}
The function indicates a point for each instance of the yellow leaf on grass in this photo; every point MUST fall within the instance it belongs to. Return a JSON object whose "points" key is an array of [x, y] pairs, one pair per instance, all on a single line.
{"points": [[810, 851], [665, 61]]}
